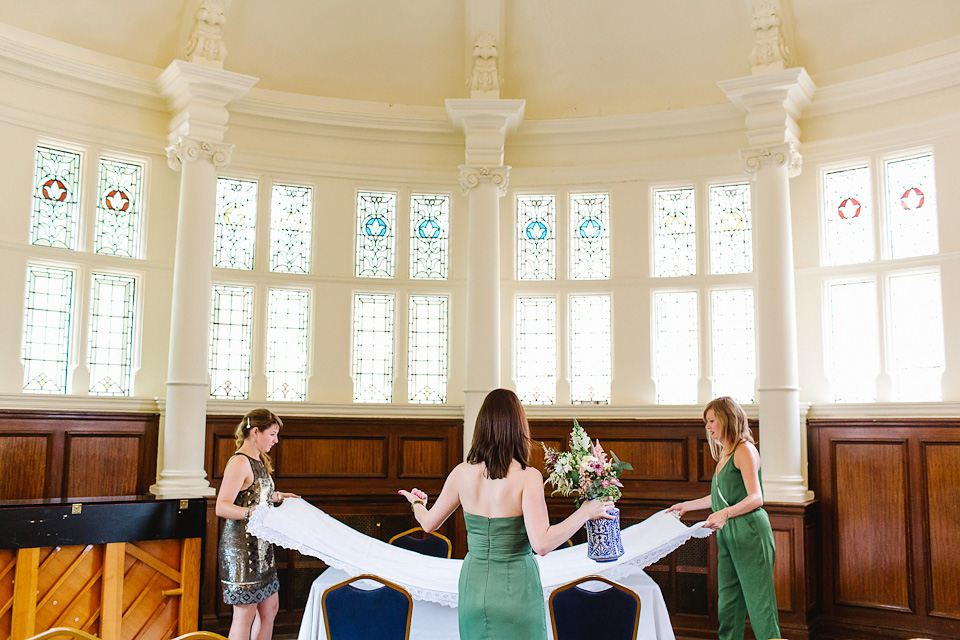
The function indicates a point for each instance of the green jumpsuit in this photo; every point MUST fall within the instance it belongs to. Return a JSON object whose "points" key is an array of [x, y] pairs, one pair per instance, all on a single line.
{"points": [[745, 554]]}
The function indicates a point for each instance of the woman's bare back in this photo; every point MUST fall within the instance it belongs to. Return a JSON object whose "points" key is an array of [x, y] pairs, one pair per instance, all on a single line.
{"points": [[483, 496]]}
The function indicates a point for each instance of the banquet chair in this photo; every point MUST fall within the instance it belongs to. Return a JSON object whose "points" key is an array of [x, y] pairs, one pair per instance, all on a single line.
{"points": [[575, 612], [352, 613], [434, 544]]}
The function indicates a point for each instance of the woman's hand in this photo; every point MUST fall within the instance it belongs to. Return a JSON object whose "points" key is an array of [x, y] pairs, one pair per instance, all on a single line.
{"points": [[717, 519], [414, 496], [594, 509], [679, 509], [279, 496]]}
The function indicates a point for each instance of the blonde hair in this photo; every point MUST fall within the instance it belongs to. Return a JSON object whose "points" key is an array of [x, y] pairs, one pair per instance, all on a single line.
{"points": [[733, 424], [260, 419]]}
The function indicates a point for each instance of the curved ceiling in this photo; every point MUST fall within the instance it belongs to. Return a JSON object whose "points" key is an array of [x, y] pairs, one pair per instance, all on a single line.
{"points": [[566, 58]]}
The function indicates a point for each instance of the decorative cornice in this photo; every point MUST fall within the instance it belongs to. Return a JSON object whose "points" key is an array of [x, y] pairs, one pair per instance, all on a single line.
{"points": [[187, 149], [779, 155], [471, 177]]}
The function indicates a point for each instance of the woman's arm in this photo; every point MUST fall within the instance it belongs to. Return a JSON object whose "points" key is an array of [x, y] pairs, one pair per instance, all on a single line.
{"points": [[747, 460], [448, 501], [543, 536], [691, 505], [236, 474]]}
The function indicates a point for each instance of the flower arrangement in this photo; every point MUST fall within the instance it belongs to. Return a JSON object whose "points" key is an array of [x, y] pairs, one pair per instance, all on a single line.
{"points": [[584, 471]]}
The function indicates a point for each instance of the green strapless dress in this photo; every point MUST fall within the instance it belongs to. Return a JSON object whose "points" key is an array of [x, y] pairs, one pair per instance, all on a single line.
{"points": [[500, 596]]}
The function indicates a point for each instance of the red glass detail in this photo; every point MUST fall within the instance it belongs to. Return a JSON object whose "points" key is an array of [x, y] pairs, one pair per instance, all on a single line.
{"points": [[115, 195], [50, 190], [912, 198], [848, 205]]}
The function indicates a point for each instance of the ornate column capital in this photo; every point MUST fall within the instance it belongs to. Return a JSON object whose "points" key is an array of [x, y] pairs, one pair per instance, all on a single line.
{"points": [[780, 155], [471, 177], [187, 149]]}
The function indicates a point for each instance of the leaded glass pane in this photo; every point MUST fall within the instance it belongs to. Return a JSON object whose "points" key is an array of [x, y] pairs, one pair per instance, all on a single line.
{"points": [[852, 357], [731, 240], [236, 227], [912, 207], [373, 321], [427, 358], [916, 337], [288, 312], [674, 232], [376, 217], [429, 236], [536, 372], [536, 238], [848, 216], [734, 349], [56, 198], [230, 337], [677, 347], [590, 350], [46, 335], [590, 236], [111, 334], [117, 230], [291, 220]]}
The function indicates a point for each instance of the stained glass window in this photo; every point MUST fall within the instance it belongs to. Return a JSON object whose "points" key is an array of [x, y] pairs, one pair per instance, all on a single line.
{"points": [[56, 198], [734, 349], [236, 227], [852, 344], [911, 207], [119, 209], [427, 359], [590, 236], [111, 334], [376, 217], [287, 344], [677, 347], [848, 216], [291, 220], [536, 238], [590, 350], [46, 336], [373, 321], [674, 232], [429, 235], [230, 345], [536, 350], [731, 243], [916, 330]]}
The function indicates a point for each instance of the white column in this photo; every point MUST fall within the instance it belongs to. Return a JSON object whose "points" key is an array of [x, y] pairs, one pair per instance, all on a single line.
{"points": [[773, 103], [198, 95], [484, 179]]}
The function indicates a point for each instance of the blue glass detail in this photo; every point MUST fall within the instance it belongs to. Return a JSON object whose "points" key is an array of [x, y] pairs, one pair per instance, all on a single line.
{"points": [[590, 228], [428, 229], [375, 226], [536, 230]]}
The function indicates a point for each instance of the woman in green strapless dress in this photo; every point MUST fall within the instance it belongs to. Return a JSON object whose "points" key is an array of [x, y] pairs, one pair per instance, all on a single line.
{"points": [[500, 595]]}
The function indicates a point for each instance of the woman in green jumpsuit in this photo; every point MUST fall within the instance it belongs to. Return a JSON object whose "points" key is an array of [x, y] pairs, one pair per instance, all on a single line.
{"points": [[745, 549], [500, 596]]}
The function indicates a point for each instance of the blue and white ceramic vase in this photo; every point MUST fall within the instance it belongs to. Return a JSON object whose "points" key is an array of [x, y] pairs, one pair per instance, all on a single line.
{"points": [[603, 538]]}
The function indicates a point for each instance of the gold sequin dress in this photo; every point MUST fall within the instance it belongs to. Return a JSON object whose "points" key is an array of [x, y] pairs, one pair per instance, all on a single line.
{"points": [[247, 569]]}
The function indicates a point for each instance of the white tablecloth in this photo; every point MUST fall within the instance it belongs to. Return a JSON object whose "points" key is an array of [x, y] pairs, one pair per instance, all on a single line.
{"points": [[432, 621]]}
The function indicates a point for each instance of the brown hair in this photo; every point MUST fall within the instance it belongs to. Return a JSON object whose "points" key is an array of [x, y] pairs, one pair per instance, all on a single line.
{"points": [[260, 419], [733, 424], [502, 434]]}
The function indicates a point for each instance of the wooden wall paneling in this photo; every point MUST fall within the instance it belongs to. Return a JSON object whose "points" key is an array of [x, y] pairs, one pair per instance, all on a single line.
{"points": [[24, 470], [663, 458], [873, 553], [784, 570], [102, 464], [422, 458], [941, 462], [335, 456]]}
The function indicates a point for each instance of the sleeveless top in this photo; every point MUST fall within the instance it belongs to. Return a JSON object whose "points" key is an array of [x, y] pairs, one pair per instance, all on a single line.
{"points": [[500, 595], [247, 569]]}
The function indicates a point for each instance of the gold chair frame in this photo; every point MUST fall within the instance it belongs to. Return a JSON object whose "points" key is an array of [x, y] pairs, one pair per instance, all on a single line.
{"points": [[432, 533], [594, 578]]}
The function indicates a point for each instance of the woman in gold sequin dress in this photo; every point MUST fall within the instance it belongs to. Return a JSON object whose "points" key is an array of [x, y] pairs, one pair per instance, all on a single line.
{"points": [[247, 570]]}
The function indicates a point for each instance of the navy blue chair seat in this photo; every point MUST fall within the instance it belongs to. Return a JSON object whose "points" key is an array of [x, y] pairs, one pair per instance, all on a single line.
{"points": [[430, 544], [352, 613], [579, 614]]}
